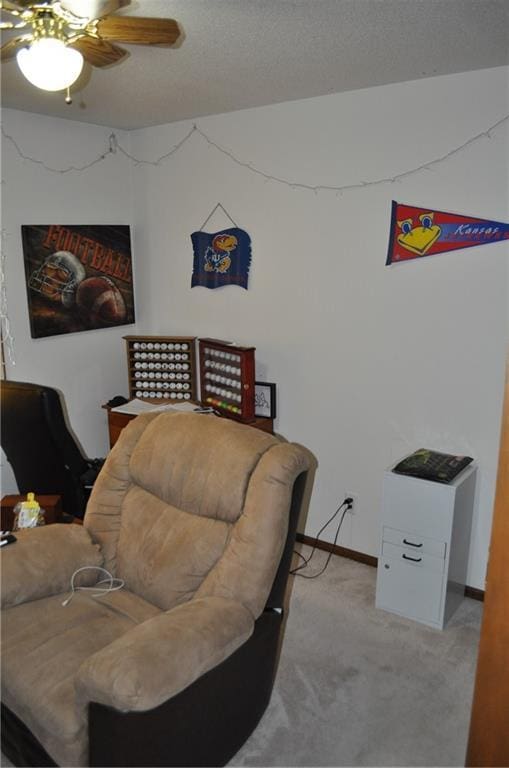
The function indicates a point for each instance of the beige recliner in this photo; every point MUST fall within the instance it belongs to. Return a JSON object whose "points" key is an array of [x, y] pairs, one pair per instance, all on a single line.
{"points": [[197, 515]]}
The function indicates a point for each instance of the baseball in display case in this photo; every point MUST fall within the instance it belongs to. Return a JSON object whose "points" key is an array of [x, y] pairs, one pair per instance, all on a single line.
{"points": [[227, 378], [162, 368]]}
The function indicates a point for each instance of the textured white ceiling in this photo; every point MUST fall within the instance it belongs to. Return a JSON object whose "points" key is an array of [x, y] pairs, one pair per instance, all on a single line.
{"points": [[235, 54]]}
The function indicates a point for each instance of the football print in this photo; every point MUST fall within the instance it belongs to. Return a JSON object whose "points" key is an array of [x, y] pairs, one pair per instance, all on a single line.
{"points": [[62, 258], [100, 302]]}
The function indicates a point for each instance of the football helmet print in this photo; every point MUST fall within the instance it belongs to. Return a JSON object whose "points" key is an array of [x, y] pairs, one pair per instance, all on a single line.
{"points": [[58, 277]]}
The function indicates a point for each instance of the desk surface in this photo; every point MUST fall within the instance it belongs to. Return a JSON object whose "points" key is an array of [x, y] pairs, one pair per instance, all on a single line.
{"points": [[118, 420]]}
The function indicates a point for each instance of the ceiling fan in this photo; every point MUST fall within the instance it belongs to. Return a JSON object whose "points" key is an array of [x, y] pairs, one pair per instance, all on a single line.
{"points": [[61, 34]]}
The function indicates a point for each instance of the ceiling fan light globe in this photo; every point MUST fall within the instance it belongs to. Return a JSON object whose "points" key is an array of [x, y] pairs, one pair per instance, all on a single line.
{"points": [[49, 64]]}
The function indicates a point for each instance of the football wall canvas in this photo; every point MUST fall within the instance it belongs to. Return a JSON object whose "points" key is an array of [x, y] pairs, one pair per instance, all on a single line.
{"points": [[79, 277]]}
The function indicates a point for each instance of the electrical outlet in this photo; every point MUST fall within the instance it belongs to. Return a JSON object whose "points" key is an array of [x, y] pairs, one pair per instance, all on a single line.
{"points": [[355, 502]]}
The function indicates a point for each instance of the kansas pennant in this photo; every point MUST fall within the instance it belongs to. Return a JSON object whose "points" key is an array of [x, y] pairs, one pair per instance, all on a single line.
{"points": [[417, 232], [222, 258]]}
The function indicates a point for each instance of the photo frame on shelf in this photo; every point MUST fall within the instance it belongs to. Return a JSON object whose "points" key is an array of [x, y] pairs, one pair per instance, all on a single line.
{"points": [[265, 399]]}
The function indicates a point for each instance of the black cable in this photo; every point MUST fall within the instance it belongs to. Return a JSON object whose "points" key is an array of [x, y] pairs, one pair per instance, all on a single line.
{"points": [[315, 575], [295, 571], [299, 554], [300, 567]]}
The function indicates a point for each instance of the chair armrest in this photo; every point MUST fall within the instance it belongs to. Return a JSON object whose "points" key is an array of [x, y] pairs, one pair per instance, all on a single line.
{"points": [[160, 657], [42, 560]]}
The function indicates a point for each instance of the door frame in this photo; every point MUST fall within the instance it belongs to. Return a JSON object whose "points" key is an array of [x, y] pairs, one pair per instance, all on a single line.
{"points": [[488, 743]]}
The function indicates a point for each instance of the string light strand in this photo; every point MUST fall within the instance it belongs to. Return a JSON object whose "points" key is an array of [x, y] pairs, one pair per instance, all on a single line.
{"points": [[7, 338], [161, 159], [361, 184], [114, 146], [70, 168]]}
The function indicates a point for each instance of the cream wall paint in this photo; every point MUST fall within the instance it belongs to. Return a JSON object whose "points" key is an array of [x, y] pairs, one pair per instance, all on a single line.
{"points": [[88, 368], [371, 362]]}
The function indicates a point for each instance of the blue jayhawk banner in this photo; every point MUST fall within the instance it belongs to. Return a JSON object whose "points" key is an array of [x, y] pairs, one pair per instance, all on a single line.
{"points": [[417, 232], [222, 258]]}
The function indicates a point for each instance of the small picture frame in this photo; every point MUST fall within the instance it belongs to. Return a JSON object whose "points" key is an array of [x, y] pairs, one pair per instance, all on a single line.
{"points": [[265, 399]]}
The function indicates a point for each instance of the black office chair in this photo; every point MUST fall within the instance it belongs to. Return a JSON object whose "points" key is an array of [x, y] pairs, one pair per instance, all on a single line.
{"points": [[40, 448]]}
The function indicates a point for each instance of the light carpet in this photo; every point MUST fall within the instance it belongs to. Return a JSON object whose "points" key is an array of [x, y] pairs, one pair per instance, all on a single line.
{"points": [[357, 686]]}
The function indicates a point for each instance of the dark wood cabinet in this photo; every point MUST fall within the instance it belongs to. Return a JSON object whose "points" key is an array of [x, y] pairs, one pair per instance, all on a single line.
{"points": [[117, 421]]}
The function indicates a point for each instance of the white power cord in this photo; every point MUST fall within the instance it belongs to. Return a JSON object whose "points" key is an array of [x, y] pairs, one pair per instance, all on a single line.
{"points": [[114, 584]]}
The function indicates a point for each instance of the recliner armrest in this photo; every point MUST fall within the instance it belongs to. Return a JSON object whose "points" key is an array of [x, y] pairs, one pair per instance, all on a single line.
{"points": [[42, 561], [160, 657]]}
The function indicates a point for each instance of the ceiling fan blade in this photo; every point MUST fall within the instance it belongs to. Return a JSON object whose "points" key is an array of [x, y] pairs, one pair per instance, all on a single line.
{"points": [[92, 9], [139, 30], [99, 53], [12, 46]]}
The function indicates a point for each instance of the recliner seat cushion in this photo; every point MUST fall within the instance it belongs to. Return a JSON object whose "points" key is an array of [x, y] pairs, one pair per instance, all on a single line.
{"points": [[43, 646], [164, 553], [170, 506]]}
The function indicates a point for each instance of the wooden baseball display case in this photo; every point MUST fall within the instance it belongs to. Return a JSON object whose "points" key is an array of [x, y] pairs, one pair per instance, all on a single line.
{"points": [[161, 368], [227, 378]]}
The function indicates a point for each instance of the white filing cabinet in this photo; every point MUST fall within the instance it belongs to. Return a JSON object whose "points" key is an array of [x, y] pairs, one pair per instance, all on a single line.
{"points": [[423, 559]]}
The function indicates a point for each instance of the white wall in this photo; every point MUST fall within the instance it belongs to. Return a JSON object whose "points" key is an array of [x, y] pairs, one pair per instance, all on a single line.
{"points": [[371, 362], [88, 368]]}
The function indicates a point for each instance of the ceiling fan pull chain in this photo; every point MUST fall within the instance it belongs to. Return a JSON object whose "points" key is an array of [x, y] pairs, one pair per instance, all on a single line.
{"points": [[68, 98]]}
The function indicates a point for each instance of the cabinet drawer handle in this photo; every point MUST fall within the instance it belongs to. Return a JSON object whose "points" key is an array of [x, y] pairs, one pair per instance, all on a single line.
{"points": [[413, 559], [411, 543]]}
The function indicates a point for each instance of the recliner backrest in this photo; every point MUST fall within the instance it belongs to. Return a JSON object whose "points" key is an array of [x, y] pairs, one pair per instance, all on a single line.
{"points": [[37, 443], [194, 506]]}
